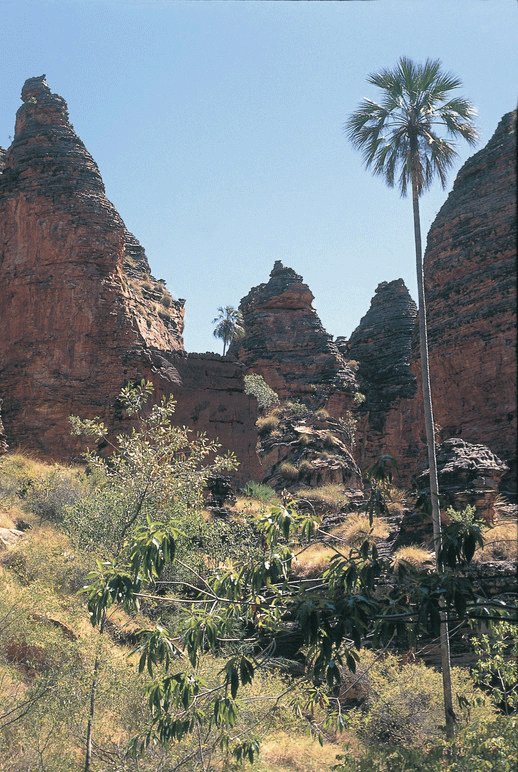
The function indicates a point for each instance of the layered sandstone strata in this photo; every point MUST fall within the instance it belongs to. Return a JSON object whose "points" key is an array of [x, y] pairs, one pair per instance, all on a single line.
{"points": [[81, 313], [381, 345], [470, 268], [286, 343], [469, 475]]}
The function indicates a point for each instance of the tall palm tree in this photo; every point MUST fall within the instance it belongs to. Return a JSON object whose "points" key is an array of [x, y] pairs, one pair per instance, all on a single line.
{"points": [[229, 325], [401, 137]]}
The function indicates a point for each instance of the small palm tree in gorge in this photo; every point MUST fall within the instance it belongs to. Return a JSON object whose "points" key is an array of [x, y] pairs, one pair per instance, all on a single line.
{"points": [[402, 140], [229, 325]]}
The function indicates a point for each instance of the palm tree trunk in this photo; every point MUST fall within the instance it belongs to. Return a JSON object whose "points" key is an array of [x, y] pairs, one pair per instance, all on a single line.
{"points": [[432, 460]]}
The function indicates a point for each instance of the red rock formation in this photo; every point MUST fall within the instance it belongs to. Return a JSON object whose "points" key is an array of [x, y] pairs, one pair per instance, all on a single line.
{"points": [[470, 268], [469, 475], [381, 344], [286, 343], [81, 314]]}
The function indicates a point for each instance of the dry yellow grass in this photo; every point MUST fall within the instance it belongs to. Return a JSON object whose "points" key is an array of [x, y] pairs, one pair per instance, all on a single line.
{"points": [[500, 543], [295, 753], [417, 557], [356, 529], [313, 561], [331, 496]]}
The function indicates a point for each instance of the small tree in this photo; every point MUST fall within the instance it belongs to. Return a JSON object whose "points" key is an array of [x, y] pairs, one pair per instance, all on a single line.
{"points": [[229, 325], [154, 476]]}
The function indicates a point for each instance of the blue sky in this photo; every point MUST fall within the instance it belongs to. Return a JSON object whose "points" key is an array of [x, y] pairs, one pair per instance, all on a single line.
{"points": [[218, 130]]}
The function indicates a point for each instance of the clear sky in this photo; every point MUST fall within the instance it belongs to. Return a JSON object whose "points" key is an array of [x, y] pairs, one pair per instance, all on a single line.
{"points": [[218, 130]]}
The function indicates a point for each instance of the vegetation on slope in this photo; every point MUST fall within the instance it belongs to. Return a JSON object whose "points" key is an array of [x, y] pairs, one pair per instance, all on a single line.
{"points": [[254, 670]]}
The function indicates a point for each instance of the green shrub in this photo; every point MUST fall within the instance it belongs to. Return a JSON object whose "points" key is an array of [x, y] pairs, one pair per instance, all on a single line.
{"points": [[298, 409], [45, 490], [258, 491], [404, 706], [256, 386]]}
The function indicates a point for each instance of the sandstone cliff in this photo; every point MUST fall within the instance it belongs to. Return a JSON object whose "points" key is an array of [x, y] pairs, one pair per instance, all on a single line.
{"points": [[470, 268], [81, 313]]}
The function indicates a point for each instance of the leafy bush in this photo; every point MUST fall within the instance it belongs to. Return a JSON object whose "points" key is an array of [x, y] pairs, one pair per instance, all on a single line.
{"points": [[297, 409], [44, 490], [256, 386], [496, 669], [258, 491], [404, 705], [156, 471]]}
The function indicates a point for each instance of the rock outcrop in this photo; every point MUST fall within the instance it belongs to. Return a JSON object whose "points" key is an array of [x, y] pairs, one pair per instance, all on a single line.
{"points": [[470, 269], [469, 475], [286, 343], [381, 345], [81, 314]]}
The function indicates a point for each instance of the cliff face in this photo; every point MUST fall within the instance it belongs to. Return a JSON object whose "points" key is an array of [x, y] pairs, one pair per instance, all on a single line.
{"points": [[381, 344], [470, 268], [286, 343], [81, 314]]}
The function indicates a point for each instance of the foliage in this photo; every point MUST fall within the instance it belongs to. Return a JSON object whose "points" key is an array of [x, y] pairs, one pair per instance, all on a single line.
{"points": [[256, 386], [297, 409], [403, 706], [43, 489], [496, 669], [258, 491], [156, 469], [402, 134], [481, 746], [229, 325]]}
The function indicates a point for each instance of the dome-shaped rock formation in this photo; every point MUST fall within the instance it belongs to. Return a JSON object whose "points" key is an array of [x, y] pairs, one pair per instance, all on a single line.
{"points": [[285, 341], [80, 312]]}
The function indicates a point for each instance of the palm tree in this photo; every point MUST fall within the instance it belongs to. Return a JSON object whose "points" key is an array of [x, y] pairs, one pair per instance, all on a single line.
{"points": [[229, 325], [401, 138]]}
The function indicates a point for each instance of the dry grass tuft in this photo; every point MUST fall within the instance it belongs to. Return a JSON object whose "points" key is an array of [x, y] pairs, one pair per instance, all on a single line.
{"points": [[417, 557], [286, 752], [313, 561], [332, 496], [356, 529], [500, 543]]}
